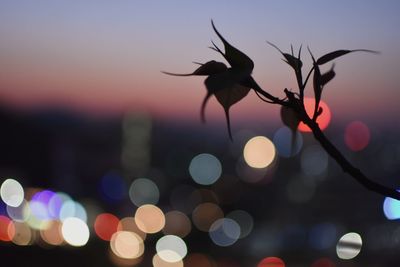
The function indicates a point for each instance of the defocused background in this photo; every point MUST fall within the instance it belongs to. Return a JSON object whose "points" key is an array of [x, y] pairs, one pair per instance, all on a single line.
{"points": [[104, 161]]}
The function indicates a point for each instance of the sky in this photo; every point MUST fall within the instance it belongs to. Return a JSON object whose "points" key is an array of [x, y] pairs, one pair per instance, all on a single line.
{"points": [[107, 56]]}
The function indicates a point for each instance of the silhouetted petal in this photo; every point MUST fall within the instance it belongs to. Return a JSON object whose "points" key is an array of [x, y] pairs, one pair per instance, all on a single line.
{"points": [[226, 88], [293, 61], [235, 57], [208, 68], [328, 76], [229, 85], [317, 85], [338, 53]]}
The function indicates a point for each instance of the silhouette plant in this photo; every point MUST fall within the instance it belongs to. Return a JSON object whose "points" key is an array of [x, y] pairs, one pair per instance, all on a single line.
{"points": [[231, 84]]}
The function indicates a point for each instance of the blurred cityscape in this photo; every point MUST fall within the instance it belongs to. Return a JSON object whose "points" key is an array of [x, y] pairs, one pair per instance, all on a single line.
{"points": [[134, 191]]}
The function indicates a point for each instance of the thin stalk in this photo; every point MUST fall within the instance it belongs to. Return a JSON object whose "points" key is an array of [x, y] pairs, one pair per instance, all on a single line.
{"points": [[250, 82], [345, 164]]}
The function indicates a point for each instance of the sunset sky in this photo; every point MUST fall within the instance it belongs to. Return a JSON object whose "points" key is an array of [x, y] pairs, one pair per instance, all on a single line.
{"points": [[107, 56]]}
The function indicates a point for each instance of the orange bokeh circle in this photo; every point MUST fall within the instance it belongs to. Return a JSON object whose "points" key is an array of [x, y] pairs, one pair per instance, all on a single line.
{"points": [[323, 120]]}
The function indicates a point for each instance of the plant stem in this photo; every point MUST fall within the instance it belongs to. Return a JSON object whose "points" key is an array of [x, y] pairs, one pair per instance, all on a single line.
{"points": [[345, 164], [250, 82]]}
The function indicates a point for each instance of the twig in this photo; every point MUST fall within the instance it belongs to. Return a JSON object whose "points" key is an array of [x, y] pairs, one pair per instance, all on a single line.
{"points": [[343, 162]]}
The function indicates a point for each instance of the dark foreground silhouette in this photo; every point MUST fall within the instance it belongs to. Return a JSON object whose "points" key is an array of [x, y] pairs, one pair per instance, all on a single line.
{"points": [[231, 84]]}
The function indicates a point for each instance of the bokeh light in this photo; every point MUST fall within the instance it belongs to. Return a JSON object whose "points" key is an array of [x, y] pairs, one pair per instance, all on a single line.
{"points": [[105, 225], [323, 120], [127, 245], [40, 204], [244, 220], [143, 191], [75, 232], [113, 187], [159, 262], [240, 138], [129, 224], [314, 160], [205, 169], [55, 203], [32, 220], [17, 213], [224, 232], [177, 223], [149, 218], [38, 210], [52, 235], [349, 246], [391, 208], [7, 229], [67, 210], [72, 208], [23, 234], [3, 208], [12, 193], [259, 152], [357, 136], [285, 144], [80, 211], [271, 262], [171, 248], [249, 174], [205, 214]]}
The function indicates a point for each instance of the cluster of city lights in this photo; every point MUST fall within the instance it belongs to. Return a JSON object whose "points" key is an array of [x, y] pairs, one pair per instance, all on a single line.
{"points": [[44, 217], [36, 215]]}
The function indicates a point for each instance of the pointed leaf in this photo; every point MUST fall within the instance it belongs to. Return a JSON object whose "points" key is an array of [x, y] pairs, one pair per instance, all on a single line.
{"points": [[317, 84], [316, 80], [208, 68], [327, 76], [294, 62], [235, 57], [299, 55], [211, 67], [338, 53]]}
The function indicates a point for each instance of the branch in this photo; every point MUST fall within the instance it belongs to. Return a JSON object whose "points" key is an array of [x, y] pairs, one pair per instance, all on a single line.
{"points": [[250, 82], [244, 65], [345, 164], [347, 167]]}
